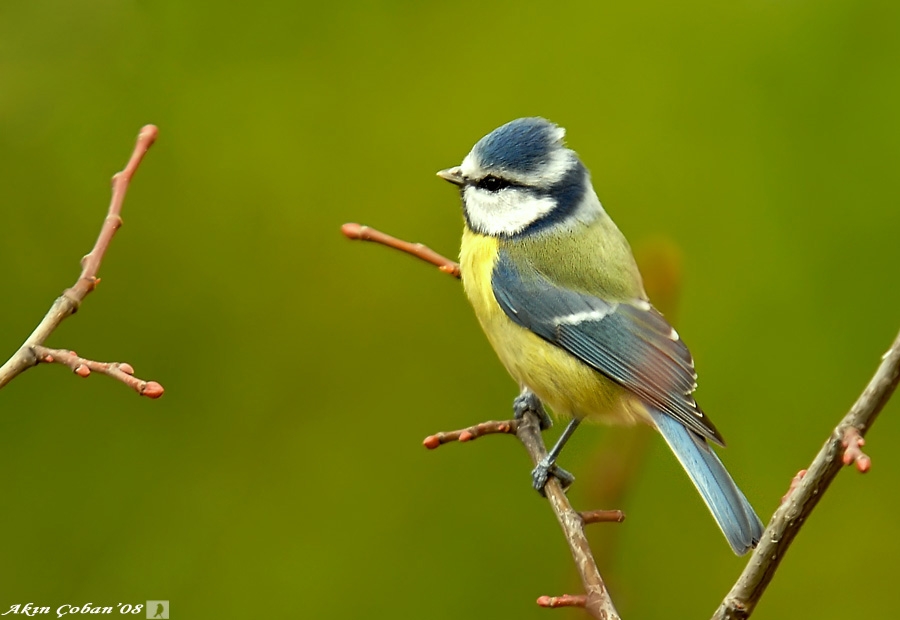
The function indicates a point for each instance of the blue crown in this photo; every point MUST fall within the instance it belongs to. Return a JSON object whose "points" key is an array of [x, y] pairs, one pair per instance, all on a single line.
{"points": [[519, 146]]}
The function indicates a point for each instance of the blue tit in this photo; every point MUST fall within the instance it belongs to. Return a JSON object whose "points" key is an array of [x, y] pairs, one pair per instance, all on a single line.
{"points": [[559, 296]]}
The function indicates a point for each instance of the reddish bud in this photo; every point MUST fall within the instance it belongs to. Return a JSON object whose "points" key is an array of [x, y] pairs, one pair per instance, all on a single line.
{"points": [[126, 368], [863, 464], [431, 442], [466, 436], [795, 482], [352, 230], [82, 371], [152, 389], [853, 442], [148, 134]]}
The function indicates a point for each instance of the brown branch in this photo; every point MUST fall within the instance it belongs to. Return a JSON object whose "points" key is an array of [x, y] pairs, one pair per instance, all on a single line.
{"points": [[120, 371], [601, 516], [842, 448], [566, 600], [472, 433], [598, 602], [358, 232], [527, 430], [68, 303]]}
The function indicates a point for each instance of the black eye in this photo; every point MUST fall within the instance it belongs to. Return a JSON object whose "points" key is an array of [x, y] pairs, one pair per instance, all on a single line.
{"points": [[492, 183]]}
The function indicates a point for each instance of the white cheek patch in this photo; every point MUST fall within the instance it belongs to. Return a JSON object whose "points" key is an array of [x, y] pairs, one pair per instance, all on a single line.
{"points": [[506, 212]]}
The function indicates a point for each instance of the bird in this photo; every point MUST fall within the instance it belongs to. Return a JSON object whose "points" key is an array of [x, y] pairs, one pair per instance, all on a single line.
{"points": [[556, 289]]}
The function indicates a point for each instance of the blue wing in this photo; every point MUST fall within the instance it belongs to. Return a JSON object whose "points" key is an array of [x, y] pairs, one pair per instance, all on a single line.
{"points": [[631, 343]]}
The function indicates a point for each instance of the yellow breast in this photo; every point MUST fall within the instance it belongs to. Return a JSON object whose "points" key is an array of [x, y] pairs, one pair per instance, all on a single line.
{"points": [[567, 385]]}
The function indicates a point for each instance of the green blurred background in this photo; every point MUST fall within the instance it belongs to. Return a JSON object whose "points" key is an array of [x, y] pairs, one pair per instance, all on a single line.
{"points": [[282, 474]]}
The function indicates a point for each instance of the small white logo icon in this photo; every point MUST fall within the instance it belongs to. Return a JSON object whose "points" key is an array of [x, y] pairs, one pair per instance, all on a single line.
{"points": [[158, 609]]}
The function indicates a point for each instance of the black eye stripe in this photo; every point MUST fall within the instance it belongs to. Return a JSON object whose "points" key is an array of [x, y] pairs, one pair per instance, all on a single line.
{"points": [[492, 183]]}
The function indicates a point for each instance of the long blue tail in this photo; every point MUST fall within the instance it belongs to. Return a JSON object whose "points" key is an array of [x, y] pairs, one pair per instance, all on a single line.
{"points": [[729, 507]]}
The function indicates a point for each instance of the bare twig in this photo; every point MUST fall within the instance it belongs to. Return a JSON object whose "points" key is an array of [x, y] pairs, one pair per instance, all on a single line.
{"points": [[358, 232], [68, 303], [527, 430], [566, 600], [471, 433], [840, 449], [120, 371], [598, 602], [601, 516]]}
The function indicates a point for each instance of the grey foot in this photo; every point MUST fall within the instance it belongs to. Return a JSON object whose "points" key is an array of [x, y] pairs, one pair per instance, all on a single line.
{"points": [[543, 471], [528, 401]]}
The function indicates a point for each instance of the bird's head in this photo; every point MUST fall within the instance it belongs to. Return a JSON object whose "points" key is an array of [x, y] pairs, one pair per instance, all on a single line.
{"points": [[521, 179]]}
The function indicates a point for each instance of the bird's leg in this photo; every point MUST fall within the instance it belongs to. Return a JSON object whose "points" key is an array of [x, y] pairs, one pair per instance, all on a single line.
{"points": [[547, 466], [528, 401]]}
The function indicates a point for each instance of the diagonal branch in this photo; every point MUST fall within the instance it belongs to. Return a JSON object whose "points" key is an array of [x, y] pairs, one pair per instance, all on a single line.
{"points": [[527, 429], [597, 602], [68, 303], [842, 448]]}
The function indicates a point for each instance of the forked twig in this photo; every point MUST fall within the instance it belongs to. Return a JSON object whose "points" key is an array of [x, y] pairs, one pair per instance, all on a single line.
{"points": [[32, 352]]}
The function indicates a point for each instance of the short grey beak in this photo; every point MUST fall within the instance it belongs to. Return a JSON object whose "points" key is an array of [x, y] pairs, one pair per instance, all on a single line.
{"points": [[453, 175]]}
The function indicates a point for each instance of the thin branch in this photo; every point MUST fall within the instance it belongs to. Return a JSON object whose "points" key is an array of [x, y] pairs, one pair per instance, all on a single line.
{"points": [[527, 430], [598, 602], [472, 433], [120, 371], [566, 600], [68, 303], [601, 516], [358, 232], [842, 448]]}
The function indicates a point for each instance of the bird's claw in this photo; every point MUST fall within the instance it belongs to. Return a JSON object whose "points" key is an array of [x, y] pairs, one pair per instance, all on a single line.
{"points": [[528, 401], [542, 472]]}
